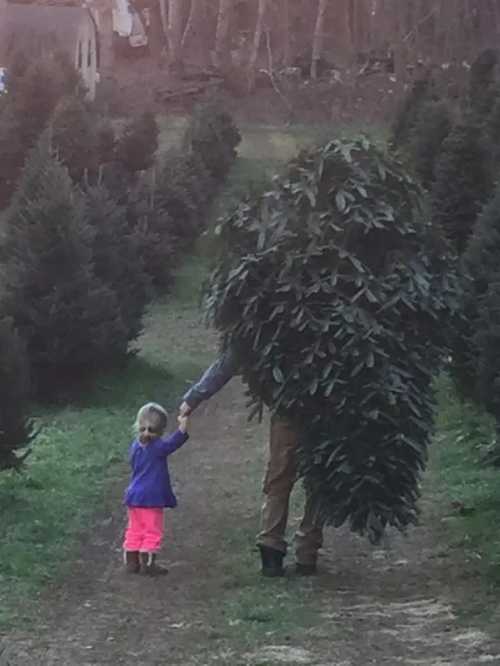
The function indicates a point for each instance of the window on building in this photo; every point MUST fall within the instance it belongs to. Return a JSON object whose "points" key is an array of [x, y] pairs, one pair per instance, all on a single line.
{"points": [[89, 55], [80, 55]]}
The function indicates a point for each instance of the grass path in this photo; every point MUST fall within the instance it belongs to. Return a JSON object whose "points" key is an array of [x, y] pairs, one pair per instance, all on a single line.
{"points": [[397, 604]]}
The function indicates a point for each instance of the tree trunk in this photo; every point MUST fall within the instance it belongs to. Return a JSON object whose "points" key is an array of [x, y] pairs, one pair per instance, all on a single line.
{"points": [[221, 53], [254, 54], [197, 14], [106, 56], [157, 31], [175, 31], [317, 48], [287, 49]]}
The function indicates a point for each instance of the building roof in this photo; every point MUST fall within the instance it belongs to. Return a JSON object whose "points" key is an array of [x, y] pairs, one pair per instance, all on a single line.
{"points": [[40, 26]]}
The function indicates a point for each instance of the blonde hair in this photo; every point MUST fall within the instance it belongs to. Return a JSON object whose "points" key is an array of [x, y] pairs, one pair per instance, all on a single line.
{"points": [[152, 412]]}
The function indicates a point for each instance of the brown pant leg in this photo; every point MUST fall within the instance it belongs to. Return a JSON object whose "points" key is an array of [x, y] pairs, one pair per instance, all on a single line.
{"points": [[281, 474], [309, 536]]}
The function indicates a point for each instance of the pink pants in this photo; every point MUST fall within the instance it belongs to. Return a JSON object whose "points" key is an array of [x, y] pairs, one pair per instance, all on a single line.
{"points": [[144, 530]]}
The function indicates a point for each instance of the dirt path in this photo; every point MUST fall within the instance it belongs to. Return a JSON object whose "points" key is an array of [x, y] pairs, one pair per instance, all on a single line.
{"points": [[392, 605]]}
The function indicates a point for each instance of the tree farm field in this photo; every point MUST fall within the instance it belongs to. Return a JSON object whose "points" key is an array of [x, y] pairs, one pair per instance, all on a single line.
{"points": [[427, 598]]}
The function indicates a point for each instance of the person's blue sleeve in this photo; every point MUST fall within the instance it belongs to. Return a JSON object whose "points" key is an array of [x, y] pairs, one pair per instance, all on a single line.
{"points": [[167, 446], [213, 379]]}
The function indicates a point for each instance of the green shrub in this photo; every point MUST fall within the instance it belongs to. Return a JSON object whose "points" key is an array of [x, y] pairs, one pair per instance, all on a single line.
{"points": [[183, 191], [74, 137], [213, 136], [430, 130], [483, 91], [117, 258], [153, 229], [463, 184], [34, 91], [69, 320], [335, 295], [15, 428], [409, 112], [138, 143], [476, 363]]}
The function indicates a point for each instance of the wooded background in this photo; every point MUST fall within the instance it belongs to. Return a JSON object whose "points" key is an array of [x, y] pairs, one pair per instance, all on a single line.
{"points": [[238, 32]]}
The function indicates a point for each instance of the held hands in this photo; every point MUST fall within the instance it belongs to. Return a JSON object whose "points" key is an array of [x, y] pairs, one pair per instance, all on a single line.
{"points": [[184, 409], [183, 422]]}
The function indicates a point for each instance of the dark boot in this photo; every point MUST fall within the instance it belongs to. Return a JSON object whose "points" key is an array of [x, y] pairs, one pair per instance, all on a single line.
{"points": [[272, 562], [131, 559], [306, 569], [149, 566]]}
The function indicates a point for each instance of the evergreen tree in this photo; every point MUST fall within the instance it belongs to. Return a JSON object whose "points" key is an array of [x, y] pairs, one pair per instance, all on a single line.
{"points": [[74, 137], [69, 319], [409, 112], [16, 430], [34, 90], [476, 366], [430, 130], [463, 184], [483, 92], [183, 190], [152, 226], [11, 153], [213, 136], [492, 137], [118, 259], [137, 146]]}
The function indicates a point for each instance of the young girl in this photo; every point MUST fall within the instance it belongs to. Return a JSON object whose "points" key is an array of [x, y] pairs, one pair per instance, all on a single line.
{"points": [[150, 490]]}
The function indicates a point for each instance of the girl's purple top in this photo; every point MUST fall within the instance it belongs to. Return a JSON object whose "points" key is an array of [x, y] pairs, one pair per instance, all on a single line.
{"points": [[150, 485]]}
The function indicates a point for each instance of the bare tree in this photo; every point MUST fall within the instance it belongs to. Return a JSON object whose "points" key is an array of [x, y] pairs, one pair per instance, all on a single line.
{"points": [[222, 33], [318, 37], [254, 53], [197, 13], [286, 36], [175, 32]]}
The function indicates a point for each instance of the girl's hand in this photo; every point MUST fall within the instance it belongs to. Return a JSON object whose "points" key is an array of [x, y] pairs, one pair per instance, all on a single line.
{"points": [[183, 423]]}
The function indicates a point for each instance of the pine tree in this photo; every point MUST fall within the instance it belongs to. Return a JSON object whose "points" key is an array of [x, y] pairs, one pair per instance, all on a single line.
{"points": [[34, 90], [476, 366], [426, 139], [137, 146], [213, 136], [483, 91], [183, 190], [16, 431], [153, 228], [118, 260], [74, 137], [409, 112], [463, 184], [11, 153], [70, 321]]}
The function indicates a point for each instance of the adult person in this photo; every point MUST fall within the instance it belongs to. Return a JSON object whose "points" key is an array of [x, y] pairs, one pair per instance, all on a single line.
{"points": [[279, 479]]}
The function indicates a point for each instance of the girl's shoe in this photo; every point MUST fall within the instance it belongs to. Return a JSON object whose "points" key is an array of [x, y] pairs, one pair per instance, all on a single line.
{"points": [[149, 566], [131, 559]]}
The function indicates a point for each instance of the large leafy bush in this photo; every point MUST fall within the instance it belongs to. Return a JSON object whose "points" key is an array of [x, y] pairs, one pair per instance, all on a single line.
{"points": [[335, 293]]}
